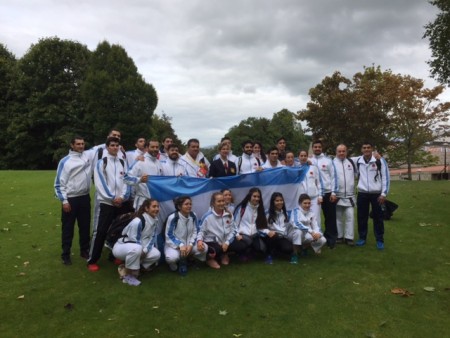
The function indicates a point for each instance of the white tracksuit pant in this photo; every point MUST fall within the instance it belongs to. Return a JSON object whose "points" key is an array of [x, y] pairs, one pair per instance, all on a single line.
{"points": [[131, 254], [317, 210], [173, 255], [345, 221], [307, 238]]}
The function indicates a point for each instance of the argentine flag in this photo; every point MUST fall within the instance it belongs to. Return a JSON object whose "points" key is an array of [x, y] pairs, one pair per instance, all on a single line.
{"points": [[286, 180]]}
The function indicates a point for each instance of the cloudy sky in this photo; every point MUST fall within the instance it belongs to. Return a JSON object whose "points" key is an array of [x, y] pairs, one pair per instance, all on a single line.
{"points": [[214, 63]]}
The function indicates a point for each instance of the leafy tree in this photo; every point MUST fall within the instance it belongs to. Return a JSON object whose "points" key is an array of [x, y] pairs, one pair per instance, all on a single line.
{"points": [[252, 128], [7, 64], [284, 123], [161, 127], [47, 105], [267, 131], [438, 33], [350, 111], [393, 111], [416, 117], [116, 96]]}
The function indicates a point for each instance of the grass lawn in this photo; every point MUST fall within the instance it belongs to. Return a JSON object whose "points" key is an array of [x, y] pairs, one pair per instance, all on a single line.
{"points": [[343, 293]]}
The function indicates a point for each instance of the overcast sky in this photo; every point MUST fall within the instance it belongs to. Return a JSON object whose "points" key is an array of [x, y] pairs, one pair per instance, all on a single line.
{"points": [[215, 63]]}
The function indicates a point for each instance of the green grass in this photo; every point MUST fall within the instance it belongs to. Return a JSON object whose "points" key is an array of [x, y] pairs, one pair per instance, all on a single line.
{"points": [[343, 293]]}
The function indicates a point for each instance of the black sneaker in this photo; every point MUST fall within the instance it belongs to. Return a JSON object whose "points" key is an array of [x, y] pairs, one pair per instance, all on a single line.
{"points": [[84, 254], [66, 261], [339, 241]]}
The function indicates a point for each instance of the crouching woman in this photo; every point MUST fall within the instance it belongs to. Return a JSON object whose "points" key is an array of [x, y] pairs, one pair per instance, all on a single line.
{"points": [[137, 245], [181, 236], [304, 219], [218, 231]]}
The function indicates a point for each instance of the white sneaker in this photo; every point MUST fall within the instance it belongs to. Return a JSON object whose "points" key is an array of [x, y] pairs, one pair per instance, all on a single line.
{"points": [[173, 267]]}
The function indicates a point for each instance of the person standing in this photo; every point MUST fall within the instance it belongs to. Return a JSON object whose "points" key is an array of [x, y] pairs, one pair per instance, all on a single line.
{"points": [[327, 173], [272, 159], [196, 164], [112, 192], [222, 166], [373, 187], [164, 150], [138, 153], [172, 166], [138, 175], [230, 156], [345, 206], [72, 186], [312, 185], [248, 163], [281, 146]]}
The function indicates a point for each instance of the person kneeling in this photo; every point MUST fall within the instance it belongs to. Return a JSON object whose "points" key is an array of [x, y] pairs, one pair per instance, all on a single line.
{"points": [[181, 234], [137, 245], [218, 231], [303, 218]]}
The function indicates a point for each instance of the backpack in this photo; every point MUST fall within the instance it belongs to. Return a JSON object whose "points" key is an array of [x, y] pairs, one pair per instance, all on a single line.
{"points": [[240, 163], [377, 162], [117, 226]]}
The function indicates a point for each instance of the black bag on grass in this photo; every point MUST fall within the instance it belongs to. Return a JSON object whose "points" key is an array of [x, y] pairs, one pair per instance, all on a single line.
{"points": [[117, 226]]}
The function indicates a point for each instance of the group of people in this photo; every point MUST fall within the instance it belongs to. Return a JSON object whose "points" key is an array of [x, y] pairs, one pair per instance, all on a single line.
{"points": [[247, 229]]}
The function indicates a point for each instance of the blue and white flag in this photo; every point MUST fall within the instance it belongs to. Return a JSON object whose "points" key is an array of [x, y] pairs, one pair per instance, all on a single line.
{"points": [[285, 180]]}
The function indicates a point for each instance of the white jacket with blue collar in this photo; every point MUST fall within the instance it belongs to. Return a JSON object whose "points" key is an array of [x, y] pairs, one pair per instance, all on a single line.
{"points": [[181, 230], [136, 232], [108, 178], [73, 176], [371, 180], [217, 228]]}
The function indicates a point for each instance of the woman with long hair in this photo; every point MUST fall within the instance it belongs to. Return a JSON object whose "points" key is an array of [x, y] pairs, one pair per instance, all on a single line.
{"points": [[283, 237], [259, 153], [181, 236], [218, 231], [251, 223], [137, 245], [229, 200]]}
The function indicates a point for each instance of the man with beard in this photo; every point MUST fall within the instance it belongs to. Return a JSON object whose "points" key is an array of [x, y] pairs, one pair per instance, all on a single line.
{"points": [[138, 175], [247, 163], [172, 167]]}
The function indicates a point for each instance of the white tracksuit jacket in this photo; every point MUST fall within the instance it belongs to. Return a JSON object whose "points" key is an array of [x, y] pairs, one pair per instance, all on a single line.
{"points": [[173, 168], [73, 176], [370, 179], [181, 230], [304, 220], [108, 180], [312, 184], [345, 174], [217, 228], [327, 173], [135, 232]]}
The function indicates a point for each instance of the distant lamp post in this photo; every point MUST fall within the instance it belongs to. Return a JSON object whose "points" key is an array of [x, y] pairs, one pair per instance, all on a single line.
{"points": [[420, 172], [445, 144]]}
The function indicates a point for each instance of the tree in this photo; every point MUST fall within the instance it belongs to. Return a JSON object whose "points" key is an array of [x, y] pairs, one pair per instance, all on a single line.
{"points": [[438, 33], [116, 96], [416, 117], [161, 127], [47, 105], [393, 111], [284, 123], [7, 65], [351, 111], [252, 128], [267, 131]]}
